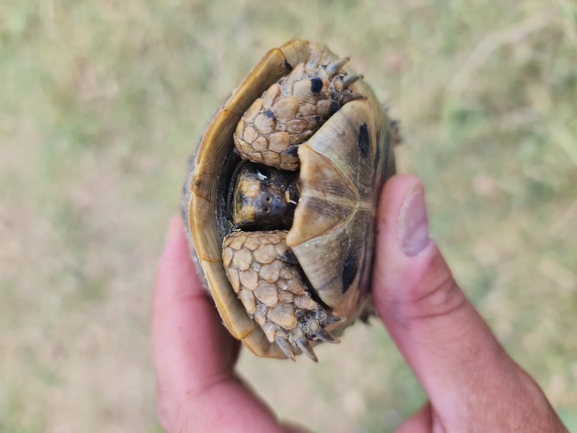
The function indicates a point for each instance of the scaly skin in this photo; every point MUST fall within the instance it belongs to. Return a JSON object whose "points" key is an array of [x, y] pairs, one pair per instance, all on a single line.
{"points": [[265, 275], [291, 111]]}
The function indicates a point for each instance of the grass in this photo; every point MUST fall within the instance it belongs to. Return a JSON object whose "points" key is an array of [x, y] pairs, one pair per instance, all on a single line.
{"points": [[101, 104]]}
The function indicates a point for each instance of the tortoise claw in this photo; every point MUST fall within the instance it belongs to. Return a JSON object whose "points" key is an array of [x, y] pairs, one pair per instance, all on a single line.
{"points": [[304, 344], [298, 338], [315, 60], [350, 79], [323, 335], [335, 319], [285, 347], [334, 67]]}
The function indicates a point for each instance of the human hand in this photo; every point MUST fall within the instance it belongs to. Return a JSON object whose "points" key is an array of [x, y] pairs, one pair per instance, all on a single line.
{"points": [[472, 384], [194, 355]]}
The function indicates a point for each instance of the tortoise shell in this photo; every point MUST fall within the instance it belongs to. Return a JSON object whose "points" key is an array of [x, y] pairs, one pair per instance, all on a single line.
{"points": [[285, 283]]}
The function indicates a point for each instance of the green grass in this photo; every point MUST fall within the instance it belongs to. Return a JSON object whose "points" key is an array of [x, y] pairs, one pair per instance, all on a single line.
{"points": [[101, 104]]}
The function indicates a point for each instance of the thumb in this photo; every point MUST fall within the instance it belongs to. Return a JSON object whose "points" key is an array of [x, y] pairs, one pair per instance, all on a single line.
{"points": [[459, 363]]}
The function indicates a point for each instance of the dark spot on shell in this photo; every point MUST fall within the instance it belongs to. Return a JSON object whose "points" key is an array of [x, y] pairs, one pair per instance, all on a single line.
{"points": [[334, 107], [288, 66], [378, 152], [316, 85], [363, 140], [350, 269], [269, 114]]}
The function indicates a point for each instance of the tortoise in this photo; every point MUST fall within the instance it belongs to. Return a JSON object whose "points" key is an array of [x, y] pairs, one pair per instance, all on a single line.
{"points": [[280, 199]]}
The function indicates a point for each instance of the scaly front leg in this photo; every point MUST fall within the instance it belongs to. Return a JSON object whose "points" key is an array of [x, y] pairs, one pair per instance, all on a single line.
{"points": [[265, 274]]}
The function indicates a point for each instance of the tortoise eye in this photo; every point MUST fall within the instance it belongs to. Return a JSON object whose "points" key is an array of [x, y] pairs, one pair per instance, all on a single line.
{"points": [[262, 173]]}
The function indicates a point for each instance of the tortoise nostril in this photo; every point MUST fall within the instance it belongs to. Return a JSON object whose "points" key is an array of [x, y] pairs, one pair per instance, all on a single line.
{"points": [[268, 199]]}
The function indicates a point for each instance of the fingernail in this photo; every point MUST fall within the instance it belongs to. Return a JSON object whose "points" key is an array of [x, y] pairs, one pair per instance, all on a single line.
{"points": [[413, 226]]}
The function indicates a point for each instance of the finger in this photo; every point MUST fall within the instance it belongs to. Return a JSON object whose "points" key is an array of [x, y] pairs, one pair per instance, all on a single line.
{"points": [[189, 341], [419, 422], [194, 355], [442, 337]]}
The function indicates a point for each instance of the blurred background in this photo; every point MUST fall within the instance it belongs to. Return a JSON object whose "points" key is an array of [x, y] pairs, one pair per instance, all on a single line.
{"points": [[101, 104]]}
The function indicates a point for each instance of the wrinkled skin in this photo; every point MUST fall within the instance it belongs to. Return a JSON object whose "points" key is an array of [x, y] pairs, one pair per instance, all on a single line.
{"points": [[472, 384]]}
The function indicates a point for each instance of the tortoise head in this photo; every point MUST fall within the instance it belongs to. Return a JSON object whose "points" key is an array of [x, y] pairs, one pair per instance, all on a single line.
{"points": [[264, 198]]}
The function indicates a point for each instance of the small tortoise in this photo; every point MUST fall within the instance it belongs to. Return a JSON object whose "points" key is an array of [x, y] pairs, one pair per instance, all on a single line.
{"points": [[280, 199]]}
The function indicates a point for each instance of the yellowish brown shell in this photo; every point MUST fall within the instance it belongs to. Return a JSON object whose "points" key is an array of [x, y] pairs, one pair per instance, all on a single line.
{"points": [[343, 167]]}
